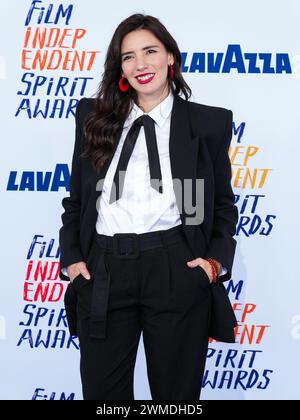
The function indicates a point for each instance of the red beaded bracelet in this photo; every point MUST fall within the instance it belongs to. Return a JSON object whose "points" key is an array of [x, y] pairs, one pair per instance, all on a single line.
{"points": [[217, 266], [214, 279]]}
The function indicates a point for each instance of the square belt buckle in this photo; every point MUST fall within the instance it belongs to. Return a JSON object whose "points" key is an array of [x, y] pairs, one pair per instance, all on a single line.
{"points": [[135, 245]]}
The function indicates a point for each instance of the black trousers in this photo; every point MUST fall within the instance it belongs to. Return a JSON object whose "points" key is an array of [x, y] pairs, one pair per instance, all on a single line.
{"points": [[158, 295]]}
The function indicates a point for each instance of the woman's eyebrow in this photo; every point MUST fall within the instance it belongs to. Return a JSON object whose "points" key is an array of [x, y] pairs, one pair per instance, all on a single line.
{"points": [[145, 48]]}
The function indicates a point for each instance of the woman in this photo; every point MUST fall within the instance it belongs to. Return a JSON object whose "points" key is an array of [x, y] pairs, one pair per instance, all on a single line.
{"points": [[142, 252]]}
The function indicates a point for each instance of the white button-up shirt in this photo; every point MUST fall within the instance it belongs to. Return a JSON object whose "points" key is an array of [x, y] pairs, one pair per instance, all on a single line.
{"points": [[141, 208]]}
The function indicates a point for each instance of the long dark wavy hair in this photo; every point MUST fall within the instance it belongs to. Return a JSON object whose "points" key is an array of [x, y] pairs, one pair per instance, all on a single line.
{"points": [[105, 123]]}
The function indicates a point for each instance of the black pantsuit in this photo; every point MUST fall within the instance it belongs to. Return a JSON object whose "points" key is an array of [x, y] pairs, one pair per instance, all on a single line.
{"points": [[156, 294]]}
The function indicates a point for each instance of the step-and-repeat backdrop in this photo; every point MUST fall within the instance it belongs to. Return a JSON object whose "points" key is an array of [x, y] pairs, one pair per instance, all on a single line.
{"points": [[242, 57]]}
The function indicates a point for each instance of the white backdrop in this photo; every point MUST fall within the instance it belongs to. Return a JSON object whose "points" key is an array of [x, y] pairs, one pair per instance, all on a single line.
{"points": [[255, 48]]}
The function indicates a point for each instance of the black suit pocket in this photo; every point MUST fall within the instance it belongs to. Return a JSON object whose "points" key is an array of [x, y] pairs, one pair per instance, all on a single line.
{"points": [[205, 275]]}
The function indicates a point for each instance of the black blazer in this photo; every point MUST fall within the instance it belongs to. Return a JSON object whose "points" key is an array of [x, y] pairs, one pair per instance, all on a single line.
{"points": [[199, 140]]}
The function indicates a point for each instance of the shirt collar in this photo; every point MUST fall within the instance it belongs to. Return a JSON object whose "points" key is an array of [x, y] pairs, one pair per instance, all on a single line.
{"points": [[159, 114]]}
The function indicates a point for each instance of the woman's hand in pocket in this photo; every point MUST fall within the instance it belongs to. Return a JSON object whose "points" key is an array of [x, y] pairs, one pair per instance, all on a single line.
{"points": [[78, 268], [203, 264]]}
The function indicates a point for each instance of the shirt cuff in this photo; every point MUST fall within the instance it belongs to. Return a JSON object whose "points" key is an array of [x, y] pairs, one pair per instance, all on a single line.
{"points": [[223, 270], [64, 271]]}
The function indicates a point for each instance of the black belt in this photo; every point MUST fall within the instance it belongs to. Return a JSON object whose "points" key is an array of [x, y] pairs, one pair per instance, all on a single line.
{"points": [[123, 246]]}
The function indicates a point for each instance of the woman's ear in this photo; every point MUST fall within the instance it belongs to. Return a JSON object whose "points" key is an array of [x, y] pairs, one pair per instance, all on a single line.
{"points": [[170, 59]]}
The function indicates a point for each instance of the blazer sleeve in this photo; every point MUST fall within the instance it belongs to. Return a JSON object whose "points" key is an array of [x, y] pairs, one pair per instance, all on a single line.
{"points": [[222, 244], [69, 233]]}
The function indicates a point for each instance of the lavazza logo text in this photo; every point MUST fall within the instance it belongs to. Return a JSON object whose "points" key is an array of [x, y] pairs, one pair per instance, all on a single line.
{"points": [[235, 60]]}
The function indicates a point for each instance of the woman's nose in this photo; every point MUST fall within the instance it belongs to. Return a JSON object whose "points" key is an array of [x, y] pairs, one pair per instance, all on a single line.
{"points": [[140, 64], [141, 67]]}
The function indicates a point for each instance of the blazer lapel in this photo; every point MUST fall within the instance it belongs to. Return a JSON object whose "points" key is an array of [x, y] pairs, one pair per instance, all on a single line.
{"points": [[183, 151], [189, 160], [99, 179]]}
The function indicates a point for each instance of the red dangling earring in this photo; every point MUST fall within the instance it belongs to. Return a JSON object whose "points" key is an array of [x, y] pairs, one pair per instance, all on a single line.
{"points": [[122, 87], [171, 72]]}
